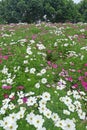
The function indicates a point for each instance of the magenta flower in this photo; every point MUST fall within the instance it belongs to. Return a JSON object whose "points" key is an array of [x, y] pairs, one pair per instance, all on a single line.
{"points": [[54, 66], [49, 63], [48, 51], [0, 61], [80, 78], [85, 73], [5, 57], [12, 98], [24, 99], [20, 87], [6, 87], [6, 95], [34, 37], [85, 64], [70, 79], [84, 84], [75, 86], [79, 71]]}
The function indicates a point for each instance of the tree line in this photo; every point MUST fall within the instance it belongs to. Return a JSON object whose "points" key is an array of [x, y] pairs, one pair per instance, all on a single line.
{"points": [[15, 11]]}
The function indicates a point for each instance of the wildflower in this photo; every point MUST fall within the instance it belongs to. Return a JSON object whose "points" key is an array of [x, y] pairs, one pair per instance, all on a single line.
{"points": [[20, 87], [6, 95], [44, 80], [24, 99], [5, 57], [69, 125], [6, 87], [54, 66], [84, 84]]}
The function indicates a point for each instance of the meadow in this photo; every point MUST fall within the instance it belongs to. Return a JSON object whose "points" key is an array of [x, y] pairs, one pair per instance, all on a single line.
{"points": [[43, 76]]}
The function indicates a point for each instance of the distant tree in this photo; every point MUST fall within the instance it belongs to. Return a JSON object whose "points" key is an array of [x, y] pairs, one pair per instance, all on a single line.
{"points": [[83, 10], [14, 11]]}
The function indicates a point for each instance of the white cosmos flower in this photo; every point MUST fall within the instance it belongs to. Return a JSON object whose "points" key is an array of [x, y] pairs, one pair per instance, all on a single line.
{"points": [[31, 101], [20, 94], [9, 81], [37, 85], [20, 115], [13, 116], [32, 41], [42, 102], [82, 115], [11, 106], [32, 70], [11, 95], [55, 117], [69, 92], [20, 101], [29, 51], [67, 100], [25, 61], [9, 124], [76, 95], [29, 118], [23, 109], [66, 112], [43, 80], [5, 101], [41, 46], [41, 128], [5, 70], [13, 126], [26, 70], [46, 96], [2, 111], [71, 107], [60, 123], [42, 109], [38, 121], [47, 113], [43, 71], [69, 125]]}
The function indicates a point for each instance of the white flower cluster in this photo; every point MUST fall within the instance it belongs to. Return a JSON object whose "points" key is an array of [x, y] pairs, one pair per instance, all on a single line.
{"points": [[8, 79], [40, 46], [10, 122], [61, 84]]}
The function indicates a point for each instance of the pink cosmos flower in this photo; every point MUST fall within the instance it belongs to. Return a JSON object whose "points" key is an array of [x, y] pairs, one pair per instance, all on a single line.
{"points": [[48, 51], [6, 95], [85, 73], [20, 87], [85, 64], [12, 98], [84, 84], [49, 63], [24, 99], [0, 61], [34, 37], [54, 66], [81, 78], [70, 79], [6, 87], [5, 57], [79, 71], [75, 86]]}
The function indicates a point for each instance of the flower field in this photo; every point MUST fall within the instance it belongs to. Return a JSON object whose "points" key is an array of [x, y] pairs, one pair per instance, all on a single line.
{"points": [[43, 76]]}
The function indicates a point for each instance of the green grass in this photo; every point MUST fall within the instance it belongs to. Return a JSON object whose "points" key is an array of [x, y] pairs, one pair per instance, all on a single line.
{"points": [[45, 35]]}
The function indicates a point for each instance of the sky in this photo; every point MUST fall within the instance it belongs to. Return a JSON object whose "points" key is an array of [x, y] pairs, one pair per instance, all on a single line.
{"points": [[76, 1]]}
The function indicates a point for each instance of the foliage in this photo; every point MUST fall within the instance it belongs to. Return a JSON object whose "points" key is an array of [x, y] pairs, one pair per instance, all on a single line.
{"points": [[15, 11]]}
